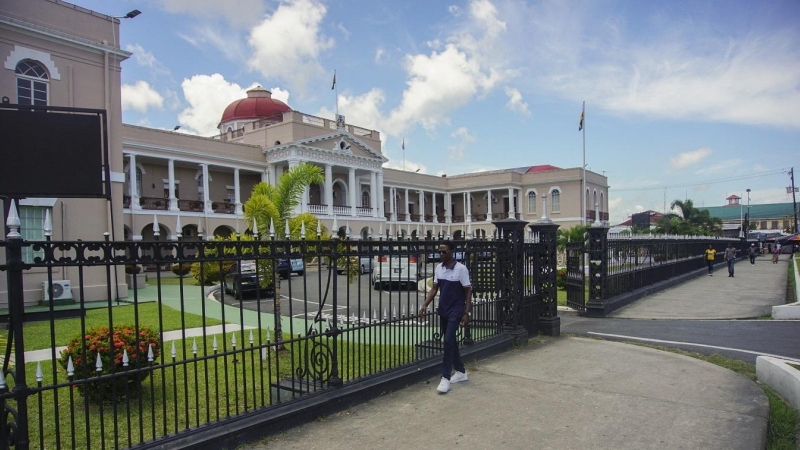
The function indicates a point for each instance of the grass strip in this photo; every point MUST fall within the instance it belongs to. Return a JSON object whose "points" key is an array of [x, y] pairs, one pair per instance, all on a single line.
{"points": [[37, 334]]}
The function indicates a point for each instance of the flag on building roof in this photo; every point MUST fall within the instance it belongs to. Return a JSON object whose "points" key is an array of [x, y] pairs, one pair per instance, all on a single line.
{"points": [[580, 124], [404, 144]]}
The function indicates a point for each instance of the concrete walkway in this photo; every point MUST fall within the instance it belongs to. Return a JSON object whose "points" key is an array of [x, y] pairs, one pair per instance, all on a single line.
{"points": [[575, 393], [751, 293], [563, 393]]}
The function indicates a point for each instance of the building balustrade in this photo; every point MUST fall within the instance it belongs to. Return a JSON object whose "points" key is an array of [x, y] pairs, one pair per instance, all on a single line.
{"points": [[190, 205], [364, 212], [156, 203]]}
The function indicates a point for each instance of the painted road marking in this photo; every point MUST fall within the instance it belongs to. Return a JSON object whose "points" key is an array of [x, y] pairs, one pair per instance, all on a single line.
{"points": [[659, 341]]}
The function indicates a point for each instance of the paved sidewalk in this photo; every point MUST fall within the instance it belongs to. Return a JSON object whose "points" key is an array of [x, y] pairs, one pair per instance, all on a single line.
{"points": [[563, 393], [751, 293]]}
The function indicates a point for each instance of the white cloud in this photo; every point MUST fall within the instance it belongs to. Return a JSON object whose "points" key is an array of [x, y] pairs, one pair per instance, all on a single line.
{"points": [[140, 97], [280, 94], [345, 32], [287, 44], [240, 13], [679, 69], [220, 40], [208, 96], [691, 158], [363, 109], [379, 54], [439, 84], [515, 102], [465, 139], [724, 168]]}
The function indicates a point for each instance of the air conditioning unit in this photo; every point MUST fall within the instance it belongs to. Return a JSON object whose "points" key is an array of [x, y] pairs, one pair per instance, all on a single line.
{"points": [[62, 290]]}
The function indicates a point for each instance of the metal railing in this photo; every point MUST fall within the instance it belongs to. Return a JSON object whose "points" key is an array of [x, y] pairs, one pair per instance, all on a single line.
{"points": [[213, 356]]}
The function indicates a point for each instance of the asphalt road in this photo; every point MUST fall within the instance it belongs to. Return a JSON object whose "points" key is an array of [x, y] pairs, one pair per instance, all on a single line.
{"points": [[739, 339], [304, 296]]}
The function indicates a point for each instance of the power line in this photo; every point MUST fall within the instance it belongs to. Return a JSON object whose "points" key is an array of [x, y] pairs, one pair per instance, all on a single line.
{"points": [[721, 180]]}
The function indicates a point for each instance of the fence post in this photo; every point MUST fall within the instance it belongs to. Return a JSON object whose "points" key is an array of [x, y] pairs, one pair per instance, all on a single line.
{"points": [[598, 270], [545, 278], [511, 234], [15, 420]]}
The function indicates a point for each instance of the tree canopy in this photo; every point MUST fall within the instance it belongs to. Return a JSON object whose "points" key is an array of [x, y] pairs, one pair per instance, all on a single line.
{"points": [[686, 219]]}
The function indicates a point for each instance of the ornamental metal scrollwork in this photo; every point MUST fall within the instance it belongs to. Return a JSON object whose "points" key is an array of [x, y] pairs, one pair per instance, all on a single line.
{"points": [[317, 360]]}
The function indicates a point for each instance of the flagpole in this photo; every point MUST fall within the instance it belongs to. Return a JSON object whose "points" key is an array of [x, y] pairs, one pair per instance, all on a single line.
{"points": [[336, 92], [583, 177]]}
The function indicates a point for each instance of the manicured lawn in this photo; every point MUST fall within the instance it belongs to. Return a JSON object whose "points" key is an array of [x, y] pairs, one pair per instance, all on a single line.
{"points": [[37, 334]]}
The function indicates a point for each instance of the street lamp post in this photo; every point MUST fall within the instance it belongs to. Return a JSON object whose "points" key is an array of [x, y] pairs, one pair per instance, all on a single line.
{"points": [[747, 231]]}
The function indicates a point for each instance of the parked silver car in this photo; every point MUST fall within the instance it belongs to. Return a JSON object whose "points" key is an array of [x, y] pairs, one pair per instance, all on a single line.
{"points": [[365, 265]]}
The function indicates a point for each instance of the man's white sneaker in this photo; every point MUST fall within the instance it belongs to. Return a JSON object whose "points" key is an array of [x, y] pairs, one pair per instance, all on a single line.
{"points": [[459, 377], [444, 386]]}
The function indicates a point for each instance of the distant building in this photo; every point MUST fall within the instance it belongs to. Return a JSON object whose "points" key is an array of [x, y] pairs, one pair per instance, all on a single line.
{"points": [[771, 218]]}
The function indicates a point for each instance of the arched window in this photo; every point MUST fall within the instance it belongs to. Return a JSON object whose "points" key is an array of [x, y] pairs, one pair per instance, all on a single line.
{"points": [[594, 200], [365, 199], [139, 181], [32, 83], [555, 201], [531, 202]]}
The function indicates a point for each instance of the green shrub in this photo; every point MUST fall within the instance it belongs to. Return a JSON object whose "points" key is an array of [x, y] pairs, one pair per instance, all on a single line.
{"points": [[99, 341], [211, 271], [181, 269], [561, 278], [132, 269]]}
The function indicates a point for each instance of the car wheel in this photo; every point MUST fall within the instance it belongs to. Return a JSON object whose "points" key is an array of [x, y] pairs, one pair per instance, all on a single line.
{"points": [[225, 287], [285, 276], [377, 285], [363, 269], [237, 293], [301, 272], [340, 272]]}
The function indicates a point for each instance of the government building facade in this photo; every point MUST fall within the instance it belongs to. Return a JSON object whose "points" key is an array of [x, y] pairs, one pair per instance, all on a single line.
{"points": [[58, 54]]}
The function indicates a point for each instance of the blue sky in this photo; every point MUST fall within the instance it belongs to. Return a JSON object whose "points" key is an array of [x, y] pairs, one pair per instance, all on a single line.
{"points": [[684, 99]]}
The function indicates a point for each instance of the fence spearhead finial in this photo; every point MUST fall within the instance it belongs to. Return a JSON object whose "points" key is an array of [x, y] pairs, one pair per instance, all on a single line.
{"points": [[13, 222]]}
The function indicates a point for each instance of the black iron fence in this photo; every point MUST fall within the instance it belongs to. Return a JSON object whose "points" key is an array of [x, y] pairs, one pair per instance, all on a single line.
{"points": [[619, 267], [174, 358]]}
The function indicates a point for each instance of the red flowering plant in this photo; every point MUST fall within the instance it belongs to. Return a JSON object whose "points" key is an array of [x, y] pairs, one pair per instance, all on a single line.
{"points": [[126, 379]]}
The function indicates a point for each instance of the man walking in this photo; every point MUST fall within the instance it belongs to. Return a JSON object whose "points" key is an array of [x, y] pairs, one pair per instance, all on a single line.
{"points": [[752, 252], [455, 308], [730, 257], [711, 254]]}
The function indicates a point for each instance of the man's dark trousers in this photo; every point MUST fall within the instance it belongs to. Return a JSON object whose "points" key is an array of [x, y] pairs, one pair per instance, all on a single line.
{"points": [[452, 357], [730, 267], [710, 266]]}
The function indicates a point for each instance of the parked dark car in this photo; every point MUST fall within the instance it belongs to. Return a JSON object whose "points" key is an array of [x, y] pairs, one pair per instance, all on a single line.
{"points": [[242, 278], [288, 266]]}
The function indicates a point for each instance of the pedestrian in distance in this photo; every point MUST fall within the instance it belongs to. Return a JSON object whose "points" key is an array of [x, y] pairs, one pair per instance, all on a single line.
{"points": [[730, 257], [455, 308], [711, 254], [752, 252], [776, 252]]}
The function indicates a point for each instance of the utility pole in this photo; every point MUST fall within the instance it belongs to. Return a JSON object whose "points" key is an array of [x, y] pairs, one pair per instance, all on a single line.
{"points": [[794, 199]]}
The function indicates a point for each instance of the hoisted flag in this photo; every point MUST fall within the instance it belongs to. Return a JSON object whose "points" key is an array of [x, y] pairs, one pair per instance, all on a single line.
{"points": [[334, 80], [404, 144], [580, 124]]}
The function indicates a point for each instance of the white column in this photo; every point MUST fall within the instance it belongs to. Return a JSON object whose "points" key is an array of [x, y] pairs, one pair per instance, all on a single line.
{"points": [[329, 189], [173, 201], [512, 206], [134, 193], [381, 212], [353, 188], [489, 204], [392, 212], [373, 193], [299, 208], [271, 176], [435, 216], [237, 192], [421, 206], [448, 206], [265, 176], [408, 215], [469, 206], [206, 199]]}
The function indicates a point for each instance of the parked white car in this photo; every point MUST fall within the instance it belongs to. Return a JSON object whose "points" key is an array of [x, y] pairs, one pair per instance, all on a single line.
{"points": [[398, 266]]}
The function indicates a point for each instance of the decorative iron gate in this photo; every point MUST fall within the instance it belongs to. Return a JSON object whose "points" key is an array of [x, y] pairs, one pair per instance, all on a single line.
{"points": [[576, 277]]}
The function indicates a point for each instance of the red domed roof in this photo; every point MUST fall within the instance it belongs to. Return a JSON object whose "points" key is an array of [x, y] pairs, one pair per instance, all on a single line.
{"points": [[258, 104]]}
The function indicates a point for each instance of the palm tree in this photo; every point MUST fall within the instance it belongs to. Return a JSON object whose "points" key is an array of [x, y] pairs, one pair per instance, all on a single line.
{"points": [[686, 219], [275, 205]]}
